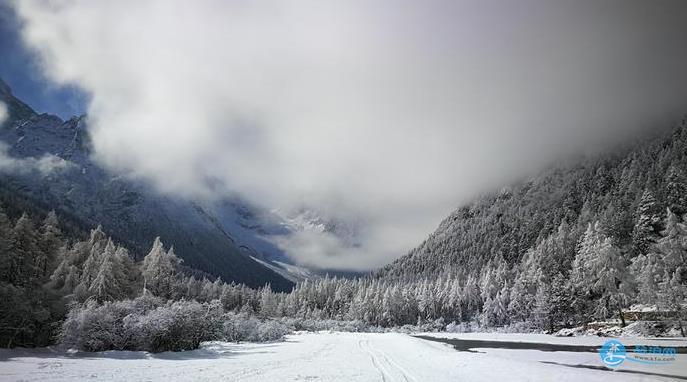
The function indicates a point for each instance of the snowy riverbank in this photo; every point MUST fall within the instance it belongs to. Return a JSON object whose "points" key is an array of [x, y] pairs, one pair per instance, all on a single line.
{"points": [[332, 357]]}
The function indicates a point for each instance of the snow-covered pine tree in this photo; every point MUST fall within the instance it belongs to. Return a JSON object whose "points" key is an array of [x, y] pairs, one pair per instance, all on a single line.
{"points": [[206, 292], [522, 296], [471, 301], [676, 191], [71, 279], [159, 270], [673, 245], [648, 272], [648, 223], [91, 266], [672, 252], [541, 313], [673, 294], [108, 283], [581, 274], [130, 272], [612, 281], [193, 288]]}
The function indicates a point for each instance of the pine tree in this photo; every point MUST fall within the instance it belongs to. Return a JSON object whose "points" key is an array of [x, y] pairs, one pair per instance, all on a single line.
{"points": [[206, 290], [581, 275], [672, 255], [559, 301], [131, 274], [25, 251], [543, 308], [648, 272], [107, 285], [6, 242], [561, 252], [193, 288], [59, 274], [27, 309], [159, 269], [50, 242], [494, 311], [71, 280], [522, 298], [617, 221], [611, 280], [91, 266], [268, 302], [673, 245], [471, 298], [673, 294], [676, 191], [648, 223]]}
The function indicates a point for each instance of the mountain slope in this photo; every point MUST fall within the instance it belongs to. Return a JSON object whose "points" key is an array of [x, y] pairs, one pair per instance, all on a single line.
{"points": [[130, 211], [504, 225]]}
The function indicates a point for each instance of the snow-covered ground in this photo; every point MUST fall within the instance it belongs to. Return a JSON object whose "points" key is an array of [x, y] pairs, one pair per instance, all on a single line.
{"points": [[549, 339], [326, 357]]}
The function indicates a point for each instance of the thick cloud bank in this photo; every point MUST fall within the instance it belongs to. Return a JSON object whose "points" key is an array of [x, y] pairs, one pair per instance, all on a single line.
{"points": [[384, 115]]}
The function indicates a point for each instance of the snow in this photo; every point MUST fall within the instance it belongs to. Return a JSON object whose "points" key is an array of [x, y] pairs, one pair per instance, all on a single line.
{"points": [[294, 273], [549, 339], [323, 357], [642, 308]]}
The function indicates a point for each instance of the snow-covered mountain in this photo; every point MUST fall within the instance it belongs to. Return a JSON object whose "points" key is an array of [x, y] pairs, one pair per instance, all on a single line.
{"points": [[221, 238], [615, 190], [256, 231]]}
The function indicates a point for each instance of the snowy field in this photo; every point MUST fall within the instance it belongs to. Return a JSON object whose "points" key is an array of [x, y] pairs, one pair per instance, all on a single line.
{"points": [[549, 339], [335, 357]]}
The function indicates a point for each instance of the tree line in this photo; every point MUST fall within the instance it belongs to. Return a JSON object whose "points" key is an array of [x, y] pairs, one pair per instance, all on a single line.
{"points": [[562, 249], [91, 291]]}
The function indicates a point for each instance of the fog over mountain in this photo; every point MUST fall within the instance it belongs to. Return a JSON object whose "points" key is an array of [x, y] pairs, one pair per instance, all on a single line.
{"points": [[3, 112], [379, 118]]}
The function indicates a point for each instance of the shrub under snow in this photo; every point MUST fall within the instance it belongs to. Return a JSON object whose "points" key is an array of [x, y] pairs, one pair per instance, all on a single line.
{"points": [[144, 323], [147, 323], [242, 327]]}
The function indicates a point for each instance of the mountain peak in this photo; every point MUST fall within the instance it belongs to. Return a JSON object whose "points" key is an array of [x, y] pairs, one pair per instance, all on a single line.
{"points": [[16, 108], [4, 88]]}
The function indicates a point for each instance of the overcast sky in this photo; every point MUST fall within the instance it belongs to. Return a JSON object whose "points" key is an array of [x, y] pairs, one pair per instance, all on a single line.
{"points": [[384, 114]]}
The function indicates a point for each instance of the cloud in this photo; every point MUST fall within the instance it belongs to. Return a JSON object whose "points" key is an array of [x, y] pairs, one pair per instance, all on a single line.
{"points": [[49, 163], [381, 115], [45, 165], [3, 113]]}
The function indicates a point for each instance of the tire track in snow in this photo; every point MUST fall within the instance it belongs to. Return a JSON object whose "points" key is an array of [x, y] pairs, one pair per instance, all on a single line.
{"points": [[376, 365], [406, 375], [387, 367], [271, 366]]}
